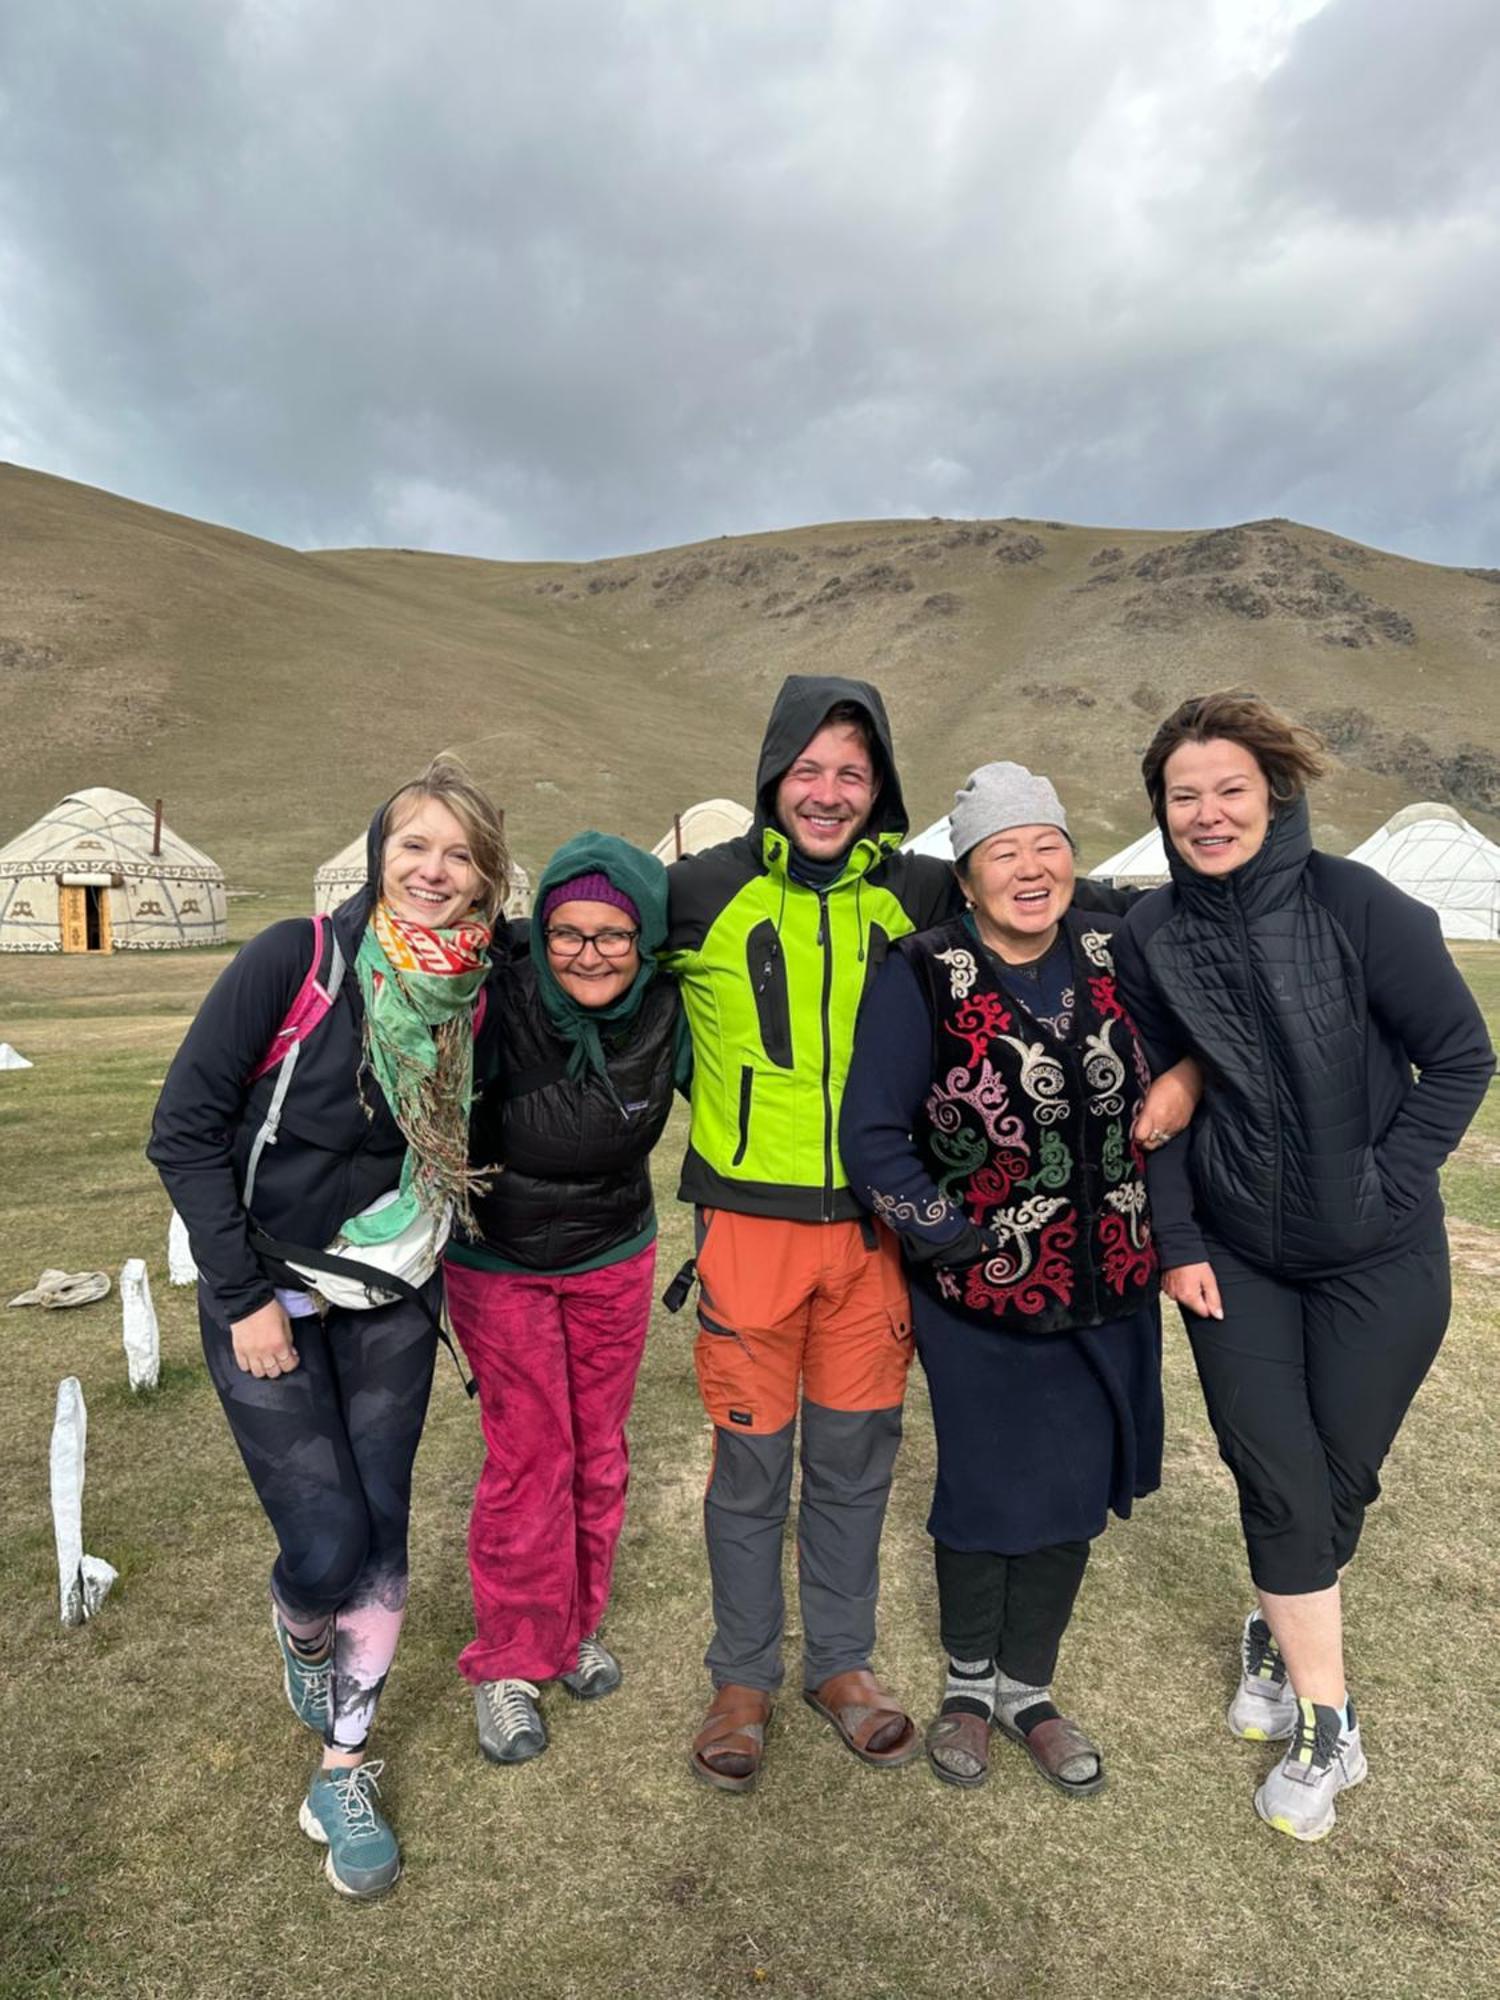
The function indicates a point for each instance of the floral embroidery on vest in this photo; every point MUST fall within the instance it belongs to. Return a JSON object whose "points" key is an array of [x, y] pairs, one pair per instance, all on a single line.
{"points": [[1014, 1116]]}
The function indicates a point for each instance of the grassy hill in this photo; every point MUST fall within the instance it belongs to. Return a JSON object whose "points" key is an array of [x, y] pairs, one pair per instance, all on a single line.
{"points": [[272, 697]]}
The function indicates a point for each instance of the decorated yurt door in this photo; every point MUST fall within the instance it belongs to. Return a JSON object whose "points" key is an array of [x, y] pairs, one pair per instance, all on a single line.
{"points": [[84, 912]]}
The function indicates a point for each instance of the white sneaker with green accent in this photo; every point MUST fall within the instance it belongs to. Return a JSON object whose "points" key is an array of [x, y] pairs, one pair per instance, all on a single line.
{"points": [[1264, 1709], [597, 1673], [1324, 1759]]}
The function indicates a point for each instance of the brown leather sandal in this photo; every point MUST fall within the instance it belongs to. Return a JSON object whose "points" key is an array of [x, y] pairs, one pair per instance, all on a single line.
{"points": [[728, 1749], [868, 1720], [955, 1743], [1054, 1743]]}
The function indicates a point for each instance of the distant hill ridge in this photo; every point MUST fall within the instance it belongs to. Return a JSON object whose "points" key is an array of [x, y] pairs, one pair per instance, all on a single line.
{"points": [[274, 696]]}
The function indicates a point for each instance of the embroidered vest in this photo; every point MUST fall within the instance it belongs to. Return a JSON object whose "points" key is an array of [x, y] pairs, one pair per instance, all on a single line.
{"points": [[1028, 1133]]}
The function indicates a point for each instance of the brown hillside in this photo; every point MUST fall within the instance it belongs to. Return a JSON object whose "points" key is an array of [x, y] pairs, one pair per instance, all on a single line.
{"points": [[272, 697]]}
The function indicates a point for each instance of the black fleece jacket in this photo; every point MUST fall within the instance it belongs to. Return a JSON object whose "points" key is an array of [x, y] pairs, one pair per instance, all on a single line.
{"points": [[338, 1148], [1310, 989]]}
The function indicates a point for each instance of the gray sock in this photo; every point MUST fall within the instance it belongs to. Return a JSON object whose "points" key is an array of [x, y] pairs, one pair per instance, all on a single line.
{"points": [[1012, 1696], [971, 1687]]}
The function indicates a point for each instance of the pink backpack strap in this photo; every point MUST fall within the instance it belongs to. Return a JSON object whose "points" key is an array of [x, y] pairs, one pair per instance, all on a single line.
{"points": [[313, 1001]]}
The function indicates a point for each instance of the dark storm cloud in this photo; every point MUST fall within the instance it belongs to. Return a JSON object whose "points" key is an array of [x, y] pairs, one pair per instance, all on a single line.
{"points": [[560, 280]]}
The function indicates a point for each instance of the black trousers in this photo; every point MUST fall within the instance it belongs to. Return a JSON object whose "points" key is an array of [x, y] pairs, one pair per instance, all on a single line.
{"points": [[1306, 1386], [1011, 1609]]}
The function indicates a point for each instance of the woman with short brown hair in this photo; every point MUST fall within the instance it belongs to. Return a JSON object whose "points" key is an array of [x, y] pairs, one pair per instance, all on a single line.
{"points": [[1299, 1221]]}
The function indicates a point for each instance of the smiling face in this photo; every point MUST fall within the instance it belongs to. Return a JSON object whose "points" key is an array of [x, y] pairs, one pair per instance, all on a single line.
{"points": [[427, 873], [1218, 804], [1020, 882], [587, 971], [824, 802]]}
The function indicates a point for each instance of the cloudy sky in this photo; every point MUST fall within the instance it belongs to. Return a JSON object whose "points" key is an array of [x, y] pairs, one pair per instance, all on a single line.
{"points": [[570, 277]]}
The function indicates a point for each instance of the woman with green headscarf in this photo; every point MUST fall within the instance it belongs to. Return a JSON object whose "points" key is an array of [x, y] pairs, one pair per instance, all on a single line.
{"points": [[550, 1290]]}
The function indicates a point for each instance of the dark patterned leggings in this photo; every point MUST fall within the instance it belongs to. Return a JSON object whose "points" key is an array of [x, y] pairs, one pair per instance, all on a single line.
{"points": [[330, 1449]]}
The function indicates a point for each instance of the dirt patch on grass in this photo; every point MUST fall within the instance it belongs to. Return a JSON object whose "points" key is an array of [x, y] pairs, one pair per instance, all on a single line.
{"points": [[1474, 1247]]}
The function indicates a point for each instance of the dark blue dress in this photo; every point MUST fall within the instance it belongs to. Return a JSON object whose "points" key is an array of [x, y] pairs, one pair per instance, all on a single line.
{"points": [[1040, 1436]]}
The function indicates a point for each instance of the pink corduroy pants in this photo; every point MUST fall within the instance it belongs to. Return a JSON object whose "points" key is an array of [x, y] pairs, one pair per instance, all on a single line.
{"points": [[556, 1360]]}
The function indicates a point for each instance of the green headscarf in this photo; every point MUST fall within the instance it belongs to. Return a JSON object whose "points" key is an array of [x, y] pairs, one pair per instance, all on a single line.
{"points": [[643, 879]]}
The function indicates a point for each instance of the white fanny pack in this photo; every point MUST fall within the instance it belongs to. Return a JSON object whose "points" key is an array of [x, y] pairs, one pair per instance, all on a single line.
{"points": [[411, 1257]]}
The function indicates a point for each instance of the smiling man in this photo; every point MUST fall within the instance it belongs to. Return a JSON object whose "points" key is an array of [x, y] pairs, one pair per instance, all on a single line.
{"points": [[802, 1302]]}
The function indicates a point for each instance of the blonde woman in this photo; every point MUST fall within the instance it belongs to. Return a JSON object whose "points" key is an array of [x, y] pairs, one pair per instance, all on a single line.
{"points": [[369, 1120]]}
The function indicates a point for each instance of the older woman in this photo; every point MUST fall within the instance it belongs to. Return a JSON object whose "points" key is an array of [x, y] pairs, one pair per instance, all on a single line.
{"points": [[1300, 1225], [323, 1093], [988, 1121], [550, 1291]]}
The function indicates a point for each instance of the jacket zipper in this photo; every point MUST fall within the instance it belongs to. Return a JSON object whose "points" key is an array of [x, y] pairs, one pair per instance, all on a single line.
{"points": [[1277, 1168], [825, 939]]}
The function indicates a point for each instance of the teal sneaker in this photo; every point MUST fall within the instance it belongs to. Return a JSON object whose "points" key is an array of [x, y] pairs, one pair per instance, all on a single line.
{"points": [[339, 1813], [597, 1674], [306, 1686], [1324, 1760]]}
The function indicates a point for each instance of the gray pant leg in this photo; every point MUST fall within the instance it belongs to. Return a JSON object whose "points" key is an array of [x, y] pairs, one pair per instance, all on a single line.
{"points": [[744, 1522], [847, 1460]]}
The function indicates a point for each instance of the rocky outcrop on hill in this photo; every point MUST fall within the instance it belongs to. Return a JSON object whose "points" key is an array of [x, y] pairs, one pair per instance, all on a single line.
{"points": [[1253, 571], [1469, 775]]}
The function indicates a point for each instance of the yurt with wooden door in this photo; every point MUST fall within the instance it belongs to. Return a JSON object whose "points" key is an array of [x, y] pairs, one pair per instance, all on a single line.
{"points": [[338, 879], [101, 873]]}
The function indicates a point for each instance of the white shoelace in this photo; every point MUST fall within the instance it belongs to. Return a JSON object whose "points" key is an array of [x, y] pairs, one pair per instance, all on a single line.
{"points": [[352, 1789], [510, 1705]]}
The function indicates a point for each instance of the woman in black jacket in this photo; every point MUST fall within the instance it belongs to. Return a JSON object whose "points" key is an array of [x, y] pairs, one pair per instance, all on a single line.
{"points": [[550, 1292], [320, 1099], [1299, 1223], [990, 1120]]}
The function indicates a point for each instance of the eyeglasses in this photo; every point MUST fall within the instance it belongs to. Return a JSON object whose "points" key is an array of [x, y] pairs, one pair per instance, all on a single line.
{"points": [[567, 943]]}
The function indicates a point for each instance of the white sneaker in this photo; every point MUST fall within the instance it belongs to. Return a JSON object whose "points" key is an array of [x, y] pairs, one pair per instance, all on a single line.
{"points": [[511, 1730], [597, 1673], [1324, 1758], [1264, 1709]]}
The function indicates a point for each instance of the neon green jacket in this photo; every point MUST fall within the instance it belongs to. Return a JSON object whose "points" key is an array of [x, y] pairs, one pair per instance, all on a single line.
{"points": [[773, 973]]}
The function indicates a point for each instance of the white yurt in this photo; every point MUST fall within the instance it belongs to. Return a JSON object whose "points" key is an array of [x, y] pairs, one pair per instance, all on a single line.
{"points": [[1434, 854], [703, 825], [338, 879], [935, 839], [1141, 865], [100, 873]]}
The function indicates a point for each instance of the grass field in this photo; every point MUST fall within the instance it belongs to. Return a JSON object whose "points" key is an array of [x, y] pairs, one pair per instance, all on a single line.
{"points": [[148, 1835]]}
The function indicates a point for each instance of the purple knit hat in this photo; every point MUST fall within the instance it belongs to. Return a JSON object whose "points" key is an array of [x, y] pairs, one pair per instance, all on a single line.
{"points": [[590, 889]]}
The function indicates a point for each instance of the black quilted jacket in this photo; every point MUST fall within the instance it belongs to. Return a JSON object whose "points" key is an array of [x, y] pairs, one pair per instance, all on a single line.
{"points": [[1310, 989], [576, 1180]]}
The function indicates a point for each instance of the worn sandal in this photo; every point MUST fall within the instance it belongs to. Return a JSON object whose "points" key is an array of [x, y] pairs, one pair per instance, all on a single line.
{"points": [[958, 1748], [728, 1749], [868, 1720], [1054, 1743]]}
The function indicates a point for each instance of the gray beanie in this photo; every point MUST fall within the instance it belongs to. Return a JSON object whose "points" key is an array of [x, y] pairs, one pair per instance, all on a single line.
{"points": [[997, 796]]}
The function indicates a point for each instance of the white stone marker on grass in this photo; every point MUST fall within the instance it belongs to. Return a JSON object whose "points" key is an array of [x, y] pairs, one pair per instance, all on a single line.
{"points": [[181, 1270], [12, 1058], [142, 1336], [83, 1581]]}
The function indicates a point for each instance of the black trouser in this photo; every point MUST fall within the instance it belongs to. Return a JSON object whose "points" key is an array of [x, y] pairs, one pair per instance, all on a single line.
{"points": [[1011, 1609], [330, 1449], [1306, 1386]]}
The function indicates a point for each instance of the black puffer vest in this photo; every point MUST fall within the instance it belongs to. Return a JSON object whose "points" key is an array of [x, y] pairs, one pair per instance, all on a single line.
{"points": [[1270, 994], [1030, 1135], [575, 1180]]}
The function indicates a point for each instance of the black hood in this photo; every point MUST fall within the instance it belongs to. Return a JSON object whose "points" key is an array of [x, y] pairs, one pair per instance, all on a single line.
{"points": [[798, 713]]}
